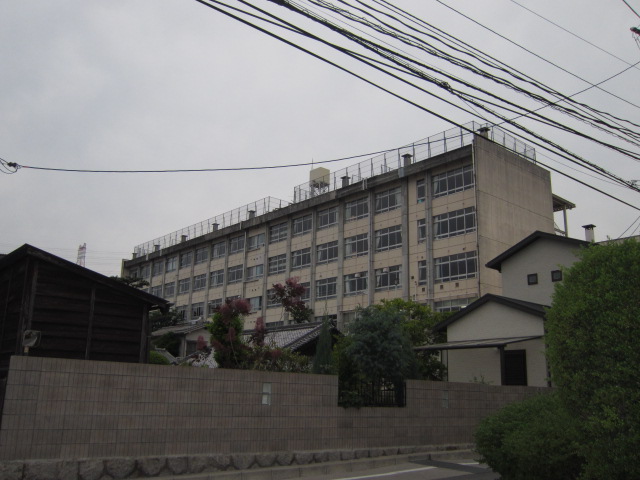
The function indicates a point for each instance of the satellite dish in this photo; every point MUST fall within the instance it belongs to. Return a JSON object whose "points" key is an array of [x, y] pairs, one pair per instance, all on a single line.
{"points": [[31, 338]]}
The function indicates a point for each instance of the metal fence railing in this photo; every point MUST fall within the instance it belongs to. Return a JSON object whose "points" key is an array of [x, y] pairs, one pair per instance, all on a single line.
{"points": [[232, 217], [381, 393], [421, 150]]}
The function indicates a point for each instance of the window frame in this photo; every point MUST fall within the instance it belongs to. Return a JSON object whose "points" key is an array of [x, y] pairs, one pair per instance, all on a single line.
{"points": [[385, 236], [329, 286], [356, 245], [219, 250], [556, 275], [236, 244], [235, 273], [257, 243], [383, 200], [456, 222], [171, 264], [532, 279], [351, 209], [391, 279], [184, 286], [302, 225], [186, 259], [169, 289], [465, 259], [356, 283], [216, 278], [331, 215], [279, 232], [328, 248], [254, 272], [277, 264], [199, 282], [301, 258], [201, 256], [453, 181]]}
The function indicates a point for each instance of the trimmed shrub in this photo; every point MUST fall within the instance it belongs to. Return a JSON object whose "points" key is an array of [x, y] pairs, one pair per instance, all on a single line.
{"points": [[157, 359], [531, 440]]}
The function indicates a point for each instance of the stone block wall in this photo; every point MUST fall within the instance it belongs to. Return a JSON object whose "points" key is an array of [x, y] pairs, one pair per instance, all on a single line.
{"points": [[60, 408]]}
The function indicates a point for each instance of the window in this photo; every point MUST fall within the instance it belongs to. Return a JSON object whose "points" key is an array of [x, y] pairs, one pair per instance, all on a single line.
{"points": [[202, 255], [185, 259], [256, 304], [172, 264], [216, 278], [199, 282], [356, 245], [388, 278], [455, 223], [327, 252], [197, 310], [254, 272], [169, 289], [388, 200], [277, 233], [300, 258], [326, 288], [145, 271], [327, 217], [234, 274], [454, 305], [422, 230], [214, 305], [157, 268], [255, 241], [277, 264], [184, 285], [302, 225], [307, 291], [219, 250], [181, 312], [456, 267], [356, 209], [157, 291], [556, 275], [388, 238], [236, 244], [272, 300], [355, 283], [453, 181], [532, 279], [422, 272], [421, 193]]}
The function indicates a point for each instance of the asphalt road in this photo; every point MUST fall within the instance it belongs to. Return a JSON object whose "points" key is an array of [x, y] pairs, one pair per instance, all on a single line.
{"points": [[419, 470]]}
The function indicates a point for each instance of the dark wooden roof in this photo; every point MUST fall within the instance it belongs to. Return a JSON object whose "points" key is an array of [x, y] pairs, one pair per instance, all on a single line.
{"points": [[27, 250]]}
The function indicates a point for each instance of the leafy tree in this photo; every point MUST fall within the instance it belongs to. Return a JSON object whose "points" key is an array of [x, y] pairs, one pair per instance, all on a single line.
{"points": [[160, 320], [157, 359], [290, 295], [226, 333], [417, 322], [593, 329], [132, 281], [377, 352], [322, 358], [531, 440], [170, 342]]}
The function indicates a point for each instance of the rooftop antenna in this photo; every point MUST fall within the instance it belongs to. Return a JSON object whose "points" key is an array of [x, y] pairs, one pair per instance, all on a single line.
{"points": [[82, 254]]}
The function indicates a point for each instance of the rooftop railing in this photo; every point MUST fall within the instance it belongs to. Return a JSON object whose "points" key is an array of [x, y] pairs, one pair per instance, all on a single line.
{"points": [[392, 160], [232, 217]]}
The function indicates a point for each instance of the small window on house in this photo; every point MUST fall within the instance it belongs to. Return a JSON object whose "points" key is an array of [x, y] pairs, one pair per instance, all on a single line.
{"points": [[532, 279], [266, 394], [556, 275]]}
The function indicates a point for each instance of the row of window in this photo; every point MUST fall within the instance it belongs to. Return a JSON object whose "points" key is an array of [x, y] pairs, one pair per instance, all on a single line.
{"points": [[449, 224], [447, 183], [449, 268], [197, 309]]}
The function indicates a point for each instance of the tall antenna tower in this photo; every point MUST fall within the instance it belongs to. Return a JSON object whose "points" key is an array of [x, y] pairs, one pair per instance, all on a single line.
{"points": [[82, 254]]}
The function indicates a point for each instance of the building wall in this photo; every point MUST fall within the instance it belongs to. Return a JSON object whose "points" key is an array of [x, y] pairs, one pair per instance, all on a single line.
{"points": [[511, 195], [483, 364], [59, 408], [541, 258], [514, 199], [493, 320]]}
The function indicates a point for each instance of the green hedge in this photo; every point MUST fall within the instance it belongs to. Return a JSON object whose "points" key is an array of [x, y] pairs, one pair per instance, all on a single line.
{"points": [[531, 440]]}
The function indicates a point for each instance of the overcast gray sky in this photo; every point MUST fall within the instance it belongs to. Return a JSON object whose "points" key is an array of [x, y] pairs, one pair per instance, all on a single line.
{"points": [[142, 84]]}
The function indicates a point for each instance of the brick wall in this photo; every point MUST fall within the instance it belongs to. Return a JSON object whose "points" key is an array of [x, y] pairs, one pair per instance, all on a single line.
{"points": [[59, 408]]}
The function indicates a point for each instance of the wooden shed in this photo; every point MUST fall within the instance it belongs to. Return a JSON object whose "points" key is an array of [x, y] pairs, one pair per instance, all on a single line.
{"points": [[68, 311]]}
